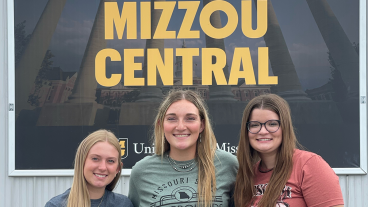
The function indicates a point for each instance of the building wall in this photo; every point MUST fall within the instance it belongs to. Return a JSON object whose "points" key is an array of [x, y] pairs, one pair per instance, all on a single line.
{"points": [[36, 191]]}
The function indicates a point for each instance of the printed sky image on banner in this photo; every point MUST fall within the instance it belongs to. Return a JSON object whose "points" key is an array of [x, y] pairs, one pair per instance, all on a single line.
{"points": [[91, 64]]}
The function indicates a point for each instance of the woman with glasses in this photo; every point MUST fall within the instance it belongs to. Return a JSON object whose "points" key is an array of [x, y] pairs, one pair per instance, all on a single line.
{"points": [[272, 171], [187, 169]]}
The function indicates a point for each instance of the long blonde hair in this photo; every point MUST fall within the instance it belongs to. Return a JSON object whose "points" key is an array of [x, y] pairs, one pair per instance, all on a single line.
{"points": [[79, 196], [248, 157], [205, 149]]}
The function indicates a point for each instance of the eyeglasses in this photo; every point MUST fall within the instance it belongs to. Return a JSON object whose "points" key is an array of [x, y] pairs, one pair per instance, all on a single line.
{"points": [[271, 126]]}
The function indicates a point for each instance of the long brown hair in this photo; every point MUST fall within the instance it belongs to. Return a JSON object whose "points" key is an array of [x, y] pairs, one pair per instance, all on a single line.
{"points": [[205, 149], [79, 195], [248, 157]]}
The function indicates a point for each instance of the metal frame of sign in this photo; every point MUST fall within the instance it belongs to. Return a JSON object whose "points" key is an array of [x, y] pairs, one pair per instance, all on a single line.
{"points": [[362, 169]]}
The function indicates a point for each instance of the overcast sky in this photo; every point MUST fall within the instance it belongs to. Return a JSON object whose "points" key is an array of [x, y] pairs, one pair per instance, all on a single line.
{"points": [[305, 43]]}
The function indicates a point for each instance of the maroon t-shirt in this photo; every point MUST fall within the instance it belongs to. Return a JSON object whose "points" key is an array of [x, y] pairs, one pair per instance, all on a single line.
{"points": [[312, 183]]}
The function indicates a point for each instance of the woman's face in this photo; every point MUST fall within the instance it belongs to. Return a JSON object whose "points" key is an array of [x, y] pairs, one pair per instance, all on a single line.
{"points": [[264, 142], [182, 125], [101, 165]]}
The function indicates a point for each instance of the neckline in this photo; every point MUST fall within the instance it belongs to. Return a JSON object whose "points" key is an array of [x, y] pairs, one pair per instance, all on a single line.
{"points": [[181, 166], [180, 162], [260, 166], [98, 199]]}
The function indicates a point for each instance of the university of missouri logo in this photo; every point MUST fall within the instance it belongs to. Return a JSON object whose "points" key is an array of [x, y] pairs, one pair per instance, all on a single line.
{"points": [[124, 147]]}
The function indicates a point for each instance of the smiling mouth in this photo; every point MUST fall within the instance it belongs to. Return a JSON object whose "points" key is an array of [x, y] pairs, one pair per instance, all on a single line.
{"points": [[99, 175], [264, 139], [181, 135]]}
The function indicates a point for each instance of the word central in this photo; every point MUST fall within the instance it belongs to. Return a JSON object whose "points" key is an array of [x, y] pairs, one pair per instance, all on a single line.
{"points": [[213, 62]]}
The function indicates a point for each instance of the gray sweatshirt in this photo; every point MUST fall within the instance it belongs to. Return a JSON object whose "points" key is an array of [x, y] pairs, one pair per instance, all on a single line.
{"points": [[154, 182]]}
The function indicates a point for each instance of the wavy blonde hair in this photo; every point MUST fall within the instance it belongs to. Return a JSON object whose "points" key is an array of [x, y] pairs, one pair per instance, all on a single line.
{"points": [[205, 149], [248, 157], [79, 195]]}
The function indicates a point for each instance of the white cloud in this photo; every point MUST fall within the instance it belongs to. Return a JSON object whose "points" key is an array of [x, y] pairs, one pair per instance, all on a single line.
{"points": [[71, 36], [309, 55]]}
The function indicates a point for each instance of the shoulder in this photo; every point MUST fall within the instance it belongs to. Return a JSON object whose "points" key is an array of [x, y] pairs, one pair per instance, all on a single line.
{"points": [[116, 199], [317, 180], [225, 158], [226, 167], [148, 160], [310, 162], [59, 200], [304, 157], [303, 154], [223, 155], [144, 164]]}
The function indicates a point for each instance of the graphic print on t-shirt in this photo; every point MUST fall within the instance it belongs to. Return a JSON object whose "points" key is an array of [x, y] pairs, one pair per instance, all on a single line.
{"points": [[285, 193], [180, 195]]}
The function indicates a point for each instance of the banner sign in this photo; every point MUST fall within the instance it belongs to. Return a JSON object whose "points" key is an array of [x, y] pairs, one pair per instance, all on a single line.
{"points": [[91, 64]]}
